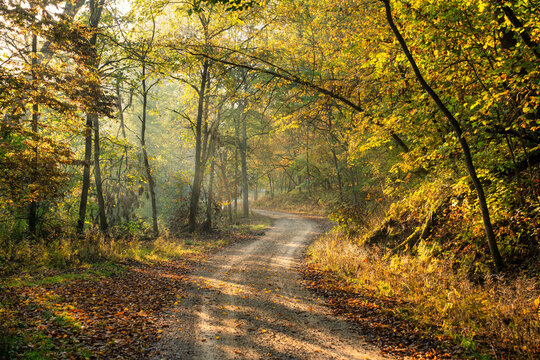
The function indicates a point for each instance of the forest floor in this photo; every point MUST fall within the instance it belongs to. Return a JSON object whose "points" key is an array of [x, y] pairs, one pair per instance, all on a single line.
{"points": [[106, 310], [255, 299]]}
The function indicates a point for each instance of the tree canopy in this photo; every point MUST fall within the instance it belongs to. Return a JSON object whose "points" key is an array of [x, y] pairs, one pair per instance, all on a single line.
{"points": [[178, 109]]}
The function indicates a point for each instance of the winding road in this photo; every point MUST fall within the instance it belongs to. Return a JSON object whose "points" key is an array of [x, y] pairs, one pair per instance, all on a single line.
{"points": [[247, 303]]}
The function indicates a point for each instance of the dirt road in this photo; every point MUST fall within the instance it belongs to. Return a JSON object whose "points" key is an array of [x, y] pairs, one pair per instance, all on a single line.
{"points": [[247, 303]]}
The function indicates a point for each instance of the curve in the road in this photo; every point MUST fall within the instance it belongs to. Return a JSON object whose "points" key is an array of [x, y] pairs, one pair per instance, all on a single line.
{"points": [[247, 303]]}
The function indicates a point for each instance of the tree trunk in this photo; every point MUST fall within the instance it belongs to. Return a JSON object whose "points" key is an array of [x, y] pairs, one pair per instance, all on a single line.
{"points": [[124, 158], [196, 187], [338, 173], [148, 169], [307, 161], [121, 117], [96, 9], [353, 185], [243, 156], [86, 174], [210, 199], [490, 235], [97, 174], [207, 131], [227, 189], [271, 185], [236, 174], [151, 187], [32, 210]]}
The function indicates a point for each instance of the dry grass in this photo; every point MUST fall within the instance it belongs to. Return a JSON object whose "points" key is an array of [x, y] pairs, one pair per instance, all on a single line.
{"points": [[499, 316]]}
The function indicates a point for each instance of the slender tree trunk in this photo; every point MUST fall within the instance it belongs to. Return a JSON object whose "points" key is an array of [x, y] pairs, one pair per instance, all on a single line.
{"points": [[307, 161], [196, 187], [271, 185], [97, 174], [236, 174], [151, 187], [32, 210], [121, 117], [338, 173], [86, 174], [490, 235], [353, 185], [96, 8], [210, 199], [227, 189], [243, 156], [124, 158], [207, 131], [148, 169]]}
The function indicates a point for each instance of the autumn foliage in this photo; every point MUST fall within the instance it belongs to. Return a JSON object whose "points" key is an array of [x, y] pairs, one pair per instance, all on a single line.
{"points": [[414, 125]]}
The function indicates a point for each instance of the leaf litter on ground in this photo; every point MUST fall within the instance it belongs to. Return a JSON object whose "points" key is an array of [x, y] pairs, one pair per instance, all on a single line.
{"points": [[113, 317], [378, 319]]}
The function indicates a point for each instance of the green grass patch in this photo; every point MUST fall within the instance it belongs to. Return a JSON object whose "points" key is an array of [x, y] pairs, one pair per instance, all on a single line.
{"points": [[86, 271], [252, 227]]}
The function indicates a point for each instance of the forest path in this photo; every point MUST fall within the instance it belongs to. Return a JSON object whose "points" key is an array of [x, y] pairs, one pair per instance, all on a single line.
{"points": [[247, 303]]}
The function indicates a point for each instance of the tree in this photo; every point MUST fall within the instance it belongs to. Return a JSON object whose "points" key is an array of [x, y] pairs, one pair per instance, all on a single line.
{"points": [[96, 9], [57, 84], [197, 177], [490, 235]]}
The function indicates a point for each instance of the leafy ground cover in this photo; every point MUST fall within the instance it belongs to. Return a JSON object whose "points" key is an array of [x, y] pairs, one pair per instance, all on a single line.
{"points": [[105, 309], [380, 319], [440, 286]]}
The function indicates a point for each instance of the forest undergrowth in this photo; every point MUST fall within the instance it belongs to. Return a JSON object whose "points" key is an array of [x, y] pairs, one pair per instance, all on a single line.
{"points": [[315, 203]]}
